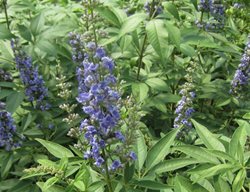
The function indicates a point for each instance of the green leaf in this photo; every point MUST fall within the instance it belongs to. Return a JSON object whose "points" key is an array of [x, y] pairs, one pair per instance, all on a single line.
{"points": [[160, 149], [4, 32], [6, 165], [125, 42], [23, 186], [7, 84], [239, 180], [7, 184], [28, 120], [37, 24], [108, 14], [95, 186], [214, 170], [140, 90], [182, 184], [49, 183], [221, 155], [33, 132], [80, 185], [247, 116], [24, 32], [149, 184], [13, 101], [187, 50], [157, 83], [29, 175], [157, 36], [56, 149], [131, 23], [83, 175], [4, 93], [238, 140], [207, 137], [198, 153], [54, 188], [47, 47], [128, 172], [174, 34], [220, 185], [140, 149], [173, 164], [171, 8]]}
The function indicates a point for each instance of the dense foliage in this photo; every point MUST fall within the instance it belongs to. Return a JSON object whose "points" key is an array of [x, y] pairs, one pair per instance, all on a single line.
{"points": [[123, 96]]}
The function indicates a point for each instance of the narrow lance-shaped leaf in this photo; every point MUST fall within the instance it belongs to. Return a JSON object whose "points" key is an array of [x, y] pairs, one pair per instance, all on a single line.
{"points": [[198, 153], [239, 180], [207, 137], [238, 139], [160, 149], [140, 150], [56, 149], [173, 164]]}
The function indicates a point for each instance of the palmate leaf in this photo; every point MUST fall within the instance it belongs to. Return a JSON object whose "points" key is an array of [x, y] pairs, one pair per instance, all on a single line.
{"points": [[160, 149]]}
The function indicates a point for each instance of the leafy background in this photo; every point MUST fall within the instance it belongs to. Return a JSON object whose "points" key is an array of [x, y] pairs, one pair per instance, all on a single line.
{"points": [[152, 55]]}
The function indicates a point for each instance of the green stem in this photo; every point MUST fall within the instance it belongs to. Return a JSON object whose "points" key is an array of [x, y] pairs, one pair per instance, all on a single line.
{"points": [[201, 64], [92, 18], [108, 180], [6, 13], [141, 56], [201, 16]]}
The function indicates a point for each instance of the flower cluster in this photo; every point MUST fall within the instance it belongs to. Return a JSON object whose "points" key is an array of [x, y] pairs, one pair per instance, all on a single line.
{"points": [[242, 74], [7, 131], [204, 6], [35, 89], [153, 8], [216, 9], [184, 109], [77, 47], [5, 76], [99, 97]]}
